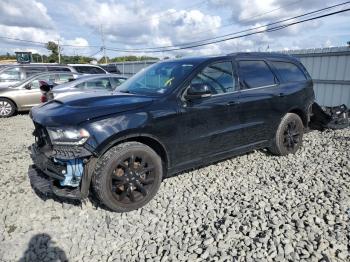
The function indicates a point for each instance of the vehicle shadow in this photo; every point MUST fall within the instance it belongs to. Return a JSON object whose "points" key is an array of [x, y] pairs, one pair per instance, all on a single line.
{"points": [[55, 198], [42, 248]]}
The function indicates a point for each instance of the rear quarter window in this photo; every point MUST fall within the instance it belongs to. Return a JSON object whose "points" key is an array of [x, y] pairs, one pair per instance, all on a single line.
{"points": [[289, 72], [60, 69], [34, 70], [89, 70]]}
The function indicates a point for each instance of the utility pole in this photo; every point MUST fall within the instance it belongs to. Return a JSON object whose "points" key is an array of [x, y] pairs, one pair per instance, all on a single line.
{"points": [[103, 45], [59, 51]]}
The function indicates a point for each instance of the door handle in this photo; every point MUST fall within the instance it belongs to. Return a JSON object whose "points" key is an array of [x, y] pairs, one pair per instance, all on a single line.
{"points": [[231, 103]]}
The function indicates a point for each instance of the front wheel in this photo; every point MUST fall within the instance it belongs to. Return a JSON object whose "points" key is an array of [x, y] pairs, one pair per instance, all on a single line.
{"points": [[127, 176], [289, 135], [7, 108]]}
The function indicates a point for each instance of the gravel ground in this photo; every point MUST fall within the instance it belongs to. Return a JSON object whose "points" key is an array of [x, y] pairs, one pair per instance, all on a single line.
{"points": [[255, 207]]}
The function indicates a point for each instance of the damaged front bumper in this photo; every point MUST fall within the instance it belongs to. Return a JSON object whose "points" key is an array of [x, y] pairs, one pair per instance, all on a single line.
{"points": [[55, 171]]}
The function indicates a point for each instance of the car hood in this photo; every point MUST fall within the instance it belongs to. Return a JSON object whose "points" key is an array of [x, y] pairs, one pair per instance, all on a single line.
{"points": [[6, 85], [73, 110], [7, 90]]}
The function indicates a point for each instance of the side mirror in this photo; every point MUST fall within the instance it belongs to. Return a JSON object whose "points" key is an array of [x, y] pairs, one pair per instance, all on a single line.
{"points": [[28, 86], [44, 86], [196, 91]]}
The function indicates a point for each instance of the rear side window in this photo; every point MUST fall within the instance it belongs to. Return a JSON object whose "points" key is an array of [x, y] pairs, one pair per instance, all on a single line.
{"points": [[34, 70], [255, 73], [218, 77], [10, 74], [289, 72], [89, 70]]}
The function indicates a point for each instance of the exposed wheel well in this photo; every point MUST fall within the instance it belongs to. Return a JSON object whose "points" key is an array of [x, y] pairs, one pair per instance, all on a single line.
{"points": [[152, 143], [301, 114]]}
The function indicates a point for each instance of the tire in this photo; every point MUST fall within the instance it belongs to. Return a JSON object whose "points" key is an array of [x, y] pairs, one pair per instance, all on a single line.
{"points": [[289, 135], [7, 108], [123, 187]]}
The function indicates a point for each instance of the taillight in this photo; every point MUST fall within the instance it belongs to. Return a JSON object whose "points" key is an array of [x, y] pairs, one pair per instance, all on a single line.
{"points": [[43, 99]]}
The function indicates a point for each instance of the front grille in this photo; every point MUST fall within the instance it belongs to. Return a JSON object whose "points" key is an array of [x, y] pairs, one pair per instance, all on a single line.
{"points": [[41, 136]]}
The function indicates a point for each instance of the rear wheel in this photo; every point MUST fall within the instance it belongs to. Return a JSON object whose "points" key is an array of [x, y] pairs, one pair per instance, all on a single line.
{"points": [[289, 135], [7, 108], [127, 176]]}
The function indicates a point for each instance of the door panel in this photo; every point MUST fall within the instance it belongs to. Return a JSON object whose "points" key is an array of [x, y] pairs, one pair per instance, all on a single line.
{"points": [[29, 98], [210, 125], [259, 111], [259, 100]]}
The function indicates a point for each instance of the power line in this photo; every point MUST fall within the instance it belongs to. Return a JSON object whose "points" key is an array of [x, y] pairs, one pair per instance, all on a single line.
{"points": [[252, 18], [238, 32], [280, 27], [99, 51], [22, 40]]}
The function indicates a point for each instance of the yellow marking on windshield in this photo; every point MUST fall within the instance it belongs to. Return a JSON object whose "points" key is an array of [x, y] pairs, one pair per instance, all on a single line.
{"points": [[168, 82]]}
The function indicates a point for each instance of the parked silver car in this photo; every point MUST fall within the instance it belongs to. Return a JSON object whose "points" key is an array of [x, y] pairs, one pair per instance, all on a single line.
{"points": [[12, 74], [85, 83], [26, 94]]}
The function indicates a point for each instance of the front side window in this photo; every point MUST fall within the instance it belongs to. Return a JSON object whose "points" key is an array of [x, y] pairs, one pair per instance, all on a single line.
{"points": [[47, 78], [218, 77], [288, 71], [157, 79], [10, 74], [63, 78], [118, 81], [255, 73], [101, 83]]}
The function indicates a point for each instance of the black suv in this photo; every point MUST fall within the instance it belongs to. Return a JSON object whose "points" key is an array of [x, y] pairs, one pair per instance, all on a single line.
{"points": [[172, 116]]}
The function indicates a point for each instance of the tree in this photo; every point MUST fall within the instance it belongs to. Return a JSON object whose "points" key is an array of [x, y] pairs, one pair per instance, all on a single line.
{"points": [[53, 47]]}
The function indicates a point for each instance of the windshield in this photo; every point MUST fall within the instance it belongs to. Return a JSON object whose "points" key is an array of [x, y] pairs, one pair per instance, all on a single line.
{"points": [[157, 79]]}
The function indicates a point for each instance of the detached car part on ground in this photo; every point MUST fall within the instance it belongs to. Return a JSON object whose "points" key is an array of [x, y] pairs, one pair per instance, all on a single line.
{"points": [[329, 117], [170, 117]]}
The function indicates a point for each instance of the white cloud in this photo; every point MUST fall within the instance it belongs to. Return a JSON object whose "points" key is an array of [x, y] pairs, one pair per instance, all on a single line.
{"points": [[78, 41], [29, 13], [140, 23]]}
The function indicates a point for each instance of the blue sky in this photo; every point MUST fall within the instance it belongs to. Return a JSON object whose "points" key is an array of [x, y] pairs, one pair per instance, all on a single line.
{"points": [[138, 24]]}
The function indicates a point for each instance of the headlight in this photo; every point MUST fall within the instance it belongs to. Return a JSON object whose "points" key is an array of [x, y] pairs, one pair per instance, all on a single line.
{"points": [[68, 136]]}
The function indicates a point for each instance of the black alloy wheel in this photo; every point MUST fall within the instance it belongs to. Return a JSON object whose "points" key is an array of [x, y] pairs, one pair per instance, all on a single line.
{"points": [[127, 176], [133, 178], [289, 135]]}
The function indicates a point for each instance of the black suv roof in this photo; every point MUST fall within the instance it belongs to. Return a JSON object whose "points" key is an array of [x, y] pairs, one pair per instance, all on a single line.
{"points": [[199, 59]]}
